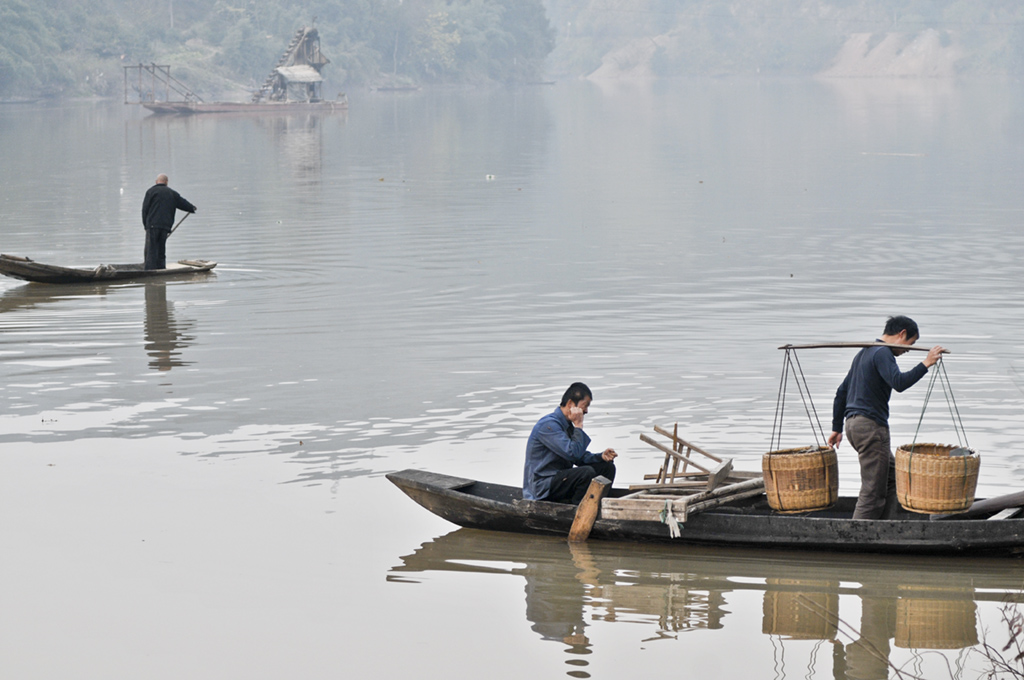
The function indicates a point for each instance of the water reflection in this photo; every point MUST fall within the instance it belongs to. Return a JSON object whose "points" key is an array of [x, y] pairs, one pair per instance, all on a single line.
{"points": [[555, 592], [95, 311], [916, 603], [165, 335], [29, 295], [300, 139], [296, 140]]}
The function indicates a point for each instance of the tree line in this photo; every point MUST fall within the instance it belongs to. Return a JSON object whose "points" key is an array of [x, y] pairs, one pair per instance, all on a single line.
{"points": [[777, 37], [78, 48]]}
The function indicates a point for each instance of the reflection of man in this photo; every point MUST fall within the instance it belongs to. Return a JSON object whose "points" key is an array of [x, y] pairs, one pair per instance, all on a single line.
{"points": [[558, 466], [867, 658], [554, 601], [863, 401], [164, 336], [158, 208]]}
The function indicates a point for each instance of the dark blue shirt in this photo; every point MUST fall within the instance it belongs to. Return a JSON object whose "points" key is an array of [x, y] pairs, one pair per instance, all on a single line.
{"points": [[554, 445], [869, 384]]}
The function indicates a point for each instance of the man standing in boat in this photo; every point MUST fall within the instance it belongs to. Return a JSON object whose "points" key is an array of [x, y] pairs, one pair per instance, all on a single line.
{"points": [[558, 466], [158, 208], [862, 400]]}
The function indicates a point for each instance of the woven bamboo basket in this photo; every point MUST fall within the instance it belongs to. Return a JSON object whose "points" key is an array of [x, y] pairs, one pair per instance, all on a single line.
{"points": [[801, 480], [801, 616], [936, 624], [929, 480]]}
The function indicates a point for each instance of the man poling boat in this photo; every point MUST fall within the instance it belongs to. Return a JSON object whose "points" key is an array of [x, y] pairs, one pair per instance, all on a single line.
{"points": [[158, 210]]}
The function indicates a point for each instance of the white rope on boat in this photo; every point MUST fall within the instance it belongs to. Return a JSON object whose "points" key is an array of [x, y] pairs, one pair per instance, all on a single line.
{"points": [[668, 518]]}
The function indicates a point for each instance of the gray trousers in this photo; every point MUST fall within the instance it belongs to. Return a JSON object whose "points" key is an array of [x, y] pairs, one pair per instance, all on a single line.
{"points": [[877, 499]]}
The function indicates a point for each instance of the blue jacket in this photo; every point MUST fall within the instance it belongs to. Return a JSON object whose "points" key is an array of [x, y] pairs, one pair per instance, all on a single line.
{"points": [[555, 444], [869, 384]]}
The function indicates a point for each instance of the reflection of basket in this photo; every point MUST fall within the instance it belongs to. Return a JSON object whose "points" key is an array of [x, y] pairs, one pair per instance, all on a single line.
{"points": [[935, 624], [929, 480], [799, 480], [800, 616]]}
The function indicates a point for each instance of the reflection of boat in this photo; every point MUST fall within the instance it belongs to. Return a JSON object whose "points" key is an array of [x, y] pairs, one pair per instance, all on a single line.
{"points": [[30, 270], [570, 587], [746, 523], [29, 297], [723, 569]]}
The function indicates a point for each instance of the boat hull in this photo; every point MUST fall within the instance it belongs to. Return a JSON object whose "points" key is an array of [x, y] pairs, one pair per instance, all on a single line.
{"points": [[750, 524], [29, 270], [190, 108]]}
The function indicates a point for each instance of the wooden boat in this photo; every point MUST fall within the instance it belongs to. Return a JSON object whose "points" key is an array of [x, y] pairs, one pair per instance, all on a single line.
{"points": [[263, 107], [747, 522], [29, 270], [293, 86]]}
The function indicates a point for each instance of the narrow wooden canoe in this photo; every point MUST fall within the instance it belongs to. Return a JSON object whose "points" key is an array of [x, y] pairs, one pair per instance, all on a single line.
{"points": [[747, 523], [29, 270], [192, 108]]}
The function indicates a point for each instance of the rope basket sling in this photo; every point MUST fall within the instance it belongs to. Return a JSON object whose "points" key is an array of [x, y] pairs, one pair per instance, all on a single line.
{"points": [[803, 479], [937, 478], [930, 480]]}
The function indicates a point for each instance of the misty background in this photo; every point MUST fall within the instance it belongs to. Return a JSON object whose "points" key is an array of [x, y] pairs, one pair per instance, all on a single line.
{"points": [[223, 49]]}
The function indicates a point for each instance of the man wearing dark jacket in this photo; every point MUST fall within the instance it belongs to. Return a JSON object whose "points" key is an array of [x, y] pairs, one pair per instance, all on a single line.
{"points": [[158, 209], [863, 402], [558, 466]]}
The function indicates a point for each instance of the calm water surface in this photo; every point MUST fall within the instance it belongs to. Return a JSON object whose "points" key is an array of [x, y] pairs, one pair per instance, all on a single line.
{"points": [[192, 477]]}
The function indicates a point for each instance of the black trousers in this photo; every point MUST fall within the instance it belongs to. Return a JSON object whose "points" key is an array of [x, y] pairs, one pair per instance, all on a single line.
{"points": [[156, 253], [570, 486]]}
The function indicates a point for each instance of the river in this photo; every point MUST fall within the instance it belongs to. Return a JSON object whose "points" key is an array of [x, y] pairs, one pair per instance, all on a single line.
{"points": [[192, 471]]}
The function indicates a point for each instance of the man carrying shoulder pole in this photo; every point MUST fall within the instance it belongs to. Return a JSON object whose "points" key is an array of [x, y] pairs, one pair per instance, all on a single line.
{"points": [[862, 400], [158, 209]]}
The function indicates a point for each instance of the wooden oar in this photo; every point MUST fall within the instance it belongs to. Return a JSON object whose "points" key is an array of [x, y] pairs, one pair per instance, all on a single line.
{"points": [[179, 223], [586, 513], [987, 506]]}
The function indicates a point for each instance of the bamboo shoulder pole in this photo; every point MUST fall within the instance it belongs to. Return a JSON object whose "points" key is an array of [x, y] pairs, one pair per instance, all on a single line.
{"points": [[843, 345]]}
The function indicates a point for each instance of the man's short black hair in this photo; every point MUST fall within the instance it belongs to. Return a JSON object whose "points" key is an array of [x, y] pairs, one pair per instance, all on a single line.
{"points": [[895, 324], [576, 393]]}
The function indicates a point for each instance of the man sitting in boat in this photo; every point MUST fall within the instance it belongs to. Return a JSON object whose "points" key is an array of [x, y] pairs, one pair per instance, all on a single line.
{"points": [[558, 466], [158, 208], [863, 401]]}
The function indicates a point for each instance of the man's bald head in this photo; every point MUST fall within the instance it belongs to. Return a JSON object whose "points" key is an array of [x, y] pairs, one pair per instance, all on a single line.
{"points": [[161, 179]]}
